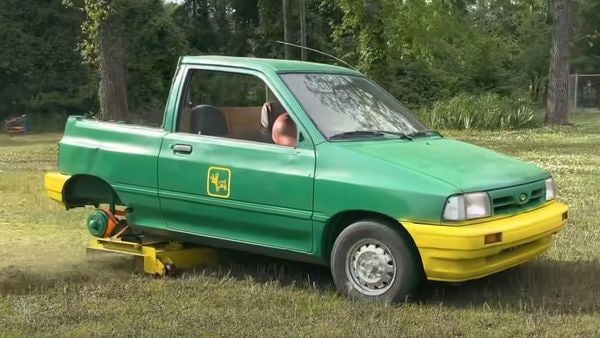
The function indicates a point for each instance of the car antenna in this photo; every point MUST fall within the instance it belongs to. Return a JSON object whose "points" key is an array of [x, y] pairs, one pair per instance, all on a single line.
{"points": [[317, 51]]}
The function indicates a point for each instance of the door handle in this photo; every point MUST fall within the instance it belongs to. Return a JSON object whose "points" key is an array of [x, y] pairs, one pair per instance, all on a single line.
{"points": [[181, 148]]}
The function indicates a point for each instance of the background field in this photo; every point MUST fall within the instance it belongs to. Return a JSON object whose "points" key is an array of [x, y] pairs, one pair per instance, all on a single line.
{"points": [[49, 287]]}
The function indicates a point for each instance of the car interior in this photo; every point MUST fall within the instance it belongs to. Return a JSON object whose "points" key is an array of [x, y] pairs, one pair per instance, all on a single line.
{"points": [[211, 109]]}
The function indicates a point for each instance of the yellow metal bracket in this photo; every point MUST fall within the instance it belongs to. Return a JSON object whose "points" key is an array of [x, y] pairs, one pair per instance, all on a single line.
{"points": [[160, 257]]}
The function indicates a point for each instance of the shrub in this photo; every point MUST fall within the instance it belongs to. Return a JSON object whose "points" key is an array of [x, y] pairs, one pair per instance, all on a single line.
{"points": [[488, 111]]}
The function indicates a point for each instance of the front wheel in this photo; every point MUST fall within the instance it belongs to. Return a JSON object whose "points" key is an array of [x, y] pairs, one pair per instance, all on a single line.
{"points": [[371, 261]]}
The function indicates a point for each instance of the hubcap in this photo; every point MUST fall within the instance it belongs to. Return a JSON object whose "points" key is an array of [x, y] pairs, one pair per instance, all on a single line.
{"points": [[370, 267]]}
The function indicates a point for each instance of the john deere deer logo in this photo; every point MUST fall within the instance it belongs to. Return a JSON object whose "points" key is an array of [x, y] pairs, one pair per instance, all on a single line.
{"points": [[218, 182]]}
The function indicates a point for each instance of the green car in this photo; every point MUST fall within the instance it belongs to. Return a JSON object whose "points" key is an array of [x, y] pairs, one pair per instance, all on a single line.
{"points": [[314, 163]]}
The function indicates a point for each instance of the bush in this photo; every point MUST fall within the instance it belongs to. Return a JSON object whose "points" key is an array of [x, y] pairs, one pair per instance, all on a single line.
{"points": [[488, 111]]}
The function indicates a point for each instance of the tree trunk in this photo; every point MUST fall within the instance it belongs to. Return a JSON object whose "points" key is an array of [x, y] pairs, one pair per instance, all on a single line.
{"points": [[557, 104], [373, 58], [288, 28], [113, 78]]}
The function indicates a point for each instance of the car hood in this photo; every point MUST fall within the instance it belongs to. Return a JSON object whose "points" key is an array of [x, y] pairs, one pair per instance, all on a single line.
{"points": [[466, 166]]}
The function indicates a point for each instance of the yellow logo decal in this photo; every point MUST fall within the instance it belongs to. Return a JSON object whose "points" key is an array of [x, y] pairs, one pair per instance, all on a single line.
{"points": [[218, 182]]}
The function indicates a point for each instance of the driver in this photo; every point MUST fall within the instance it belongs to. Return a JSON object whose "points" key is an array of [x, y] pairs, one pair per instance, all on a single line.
{"points": [[284, 131]]}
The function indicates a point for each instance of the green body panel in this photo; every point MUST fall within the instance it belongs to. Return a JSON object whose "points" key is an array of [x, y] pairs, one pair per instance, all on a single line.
{"points": [[267, 66], [268, 199], [463, 165], [124, 156], [277, 197], [350, 179]]}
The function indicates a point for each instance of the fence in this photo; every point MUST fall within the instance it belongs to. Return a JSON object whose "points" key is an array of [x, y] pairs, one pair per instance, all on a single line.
{"points": [[584, 92]]}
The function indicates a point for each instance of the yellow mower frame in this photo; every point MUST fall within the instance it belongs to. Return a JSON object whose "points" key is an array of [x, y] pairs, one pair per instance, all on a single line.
{"points": [[159, 257]]}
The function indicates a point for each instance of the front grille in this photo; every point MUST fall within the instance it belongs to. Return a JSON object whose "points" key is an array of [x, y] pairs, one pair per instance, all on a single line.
{"points": [[519, 198]]}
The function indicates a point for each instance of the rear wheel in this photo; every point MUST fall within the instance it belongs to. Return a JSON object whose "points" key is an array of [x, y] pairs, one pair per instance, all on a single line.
{"points": [[370, 261]]}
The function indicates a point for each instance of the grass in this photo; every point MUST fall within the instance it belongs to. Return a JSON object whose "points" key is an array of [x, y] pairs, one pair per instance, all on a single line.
{"points": [[49, 287]]}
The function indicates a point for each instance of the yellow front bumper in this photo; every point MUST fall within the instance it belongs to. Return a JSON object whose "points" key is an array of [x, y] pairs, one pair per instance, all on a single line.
{"points": [[458, 253], [54, 183]]}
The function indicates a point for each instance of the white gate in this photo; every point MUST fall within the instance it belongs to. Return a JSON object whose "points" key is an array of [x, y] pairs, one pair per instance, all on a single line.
{"points": [[584, 93]]}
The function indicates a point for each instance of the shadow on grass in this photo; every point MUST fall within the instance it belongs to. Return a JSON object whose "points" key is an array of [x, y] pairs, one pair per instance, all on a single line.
{"points": [[565, 287], [262, 269], [555, 287], [24, 280]]}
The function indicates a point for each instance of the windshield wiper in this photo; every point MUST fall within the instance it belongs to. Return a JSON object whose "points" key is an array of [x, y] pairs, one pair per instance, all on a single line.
{"points": [[369, 133], [397, 133], [360, 133], [425, 133]]}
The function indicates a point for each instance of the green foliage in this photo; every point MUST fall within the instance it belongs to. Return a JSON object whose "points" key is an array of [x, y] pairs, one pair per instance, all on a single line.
{"points": [[421, 51], [437, 49], [40, 70], [587, 39], [488, 111], [269, 29], [96, 13], [363, 27], [154, 42]]}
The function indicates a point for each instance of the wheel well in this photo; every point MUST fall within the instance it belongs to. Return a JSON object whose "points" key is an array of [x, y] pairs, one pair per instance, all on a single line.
{"points": [[342, 220], [82, 190]]}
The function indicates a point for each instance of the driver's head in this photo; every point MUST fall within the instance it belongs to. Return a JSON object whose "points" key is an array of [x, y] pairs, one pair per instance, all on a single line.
{"points": [[284, 131]]}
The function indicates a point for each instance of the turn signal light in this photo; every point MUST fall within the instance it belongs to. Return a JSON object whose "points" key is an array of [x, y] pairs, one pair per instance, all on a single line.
{"points": [[492, 238]]}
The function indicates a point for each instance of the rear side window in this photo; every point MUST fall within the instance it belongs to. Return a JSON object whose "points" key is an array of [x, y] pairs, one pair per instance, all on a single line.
{"points": [[225, 89]]}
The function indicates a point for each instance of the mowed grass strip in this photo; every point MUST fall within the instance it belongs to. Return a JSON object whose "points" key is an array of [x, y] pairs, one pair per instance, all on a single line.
{"points": [[49, 286]]}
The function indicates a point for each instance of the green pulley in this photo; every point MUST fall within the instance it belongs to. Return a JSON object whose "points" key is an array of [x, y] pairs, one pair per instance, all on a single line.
{"points": [[97, 223]]}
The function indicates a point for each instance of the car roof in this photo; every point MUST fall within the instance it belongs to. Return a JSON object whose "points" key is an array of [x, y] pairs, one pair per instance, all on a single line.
{"points": [[276, 65]]}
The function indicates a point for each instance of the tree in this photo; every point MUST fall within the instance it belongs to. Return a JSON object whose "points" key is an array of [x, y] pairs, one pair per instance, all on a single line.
{"points": [[112, 92], [421, 51], [364, 25], [40, 69], [269, 29], [534, 35], [133, 46], [557, 105], [102, 48], [288, 28]]}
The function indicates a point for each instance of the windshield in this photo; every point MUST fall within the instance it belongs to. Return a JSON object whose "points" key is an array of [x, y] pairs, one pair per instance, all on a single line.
{"points": [[348, 105]]}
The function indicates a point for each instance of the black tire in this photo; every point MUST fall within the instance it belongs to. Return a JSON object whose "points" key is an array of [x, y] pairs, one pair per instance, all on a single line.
{"points": [[383, 242]]}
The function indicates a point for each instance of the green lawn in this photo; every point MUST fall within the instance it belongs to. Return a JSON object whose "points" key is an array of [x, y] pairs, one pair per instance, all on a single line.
{"points": [[48, 286]]}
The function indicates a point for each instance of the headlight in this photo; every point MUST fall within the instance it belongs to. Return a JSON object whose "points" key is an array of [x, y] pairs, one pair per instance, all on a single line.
{"points": [[467, 206], [550, 189]]}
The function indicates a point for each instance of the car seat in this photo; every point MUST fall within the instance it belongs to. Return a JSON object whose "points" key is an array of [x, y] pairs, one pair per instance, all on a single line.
{"points": [[269, 113], [208, 120]]}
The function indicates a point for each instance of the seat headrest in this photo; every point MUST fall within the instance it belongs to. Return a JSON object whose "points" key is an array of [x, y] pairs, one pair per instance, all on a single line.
{"points": [[208, 120], [269, 112]]}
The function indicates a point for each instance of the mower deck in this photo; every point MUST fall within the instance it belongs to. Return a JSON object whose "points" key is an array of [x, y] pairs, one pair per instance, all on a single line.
{"points": [[158, 256]]}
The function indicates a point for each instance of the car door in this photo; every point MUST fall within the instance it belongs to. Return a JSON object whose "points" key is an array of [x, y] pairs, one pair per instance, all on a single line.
{"points": [[238, 188]]}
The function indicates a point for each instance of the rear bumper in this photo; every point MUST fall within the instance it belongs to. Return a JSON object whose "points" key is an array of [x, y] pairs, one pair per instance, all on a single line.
{"points": [[458, 253], [54, 183]]}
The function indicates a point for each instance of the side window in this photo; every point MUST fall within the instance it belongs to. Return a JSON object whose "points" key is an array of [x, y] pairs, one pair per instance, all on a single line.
{"points": [[233, 105]]}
